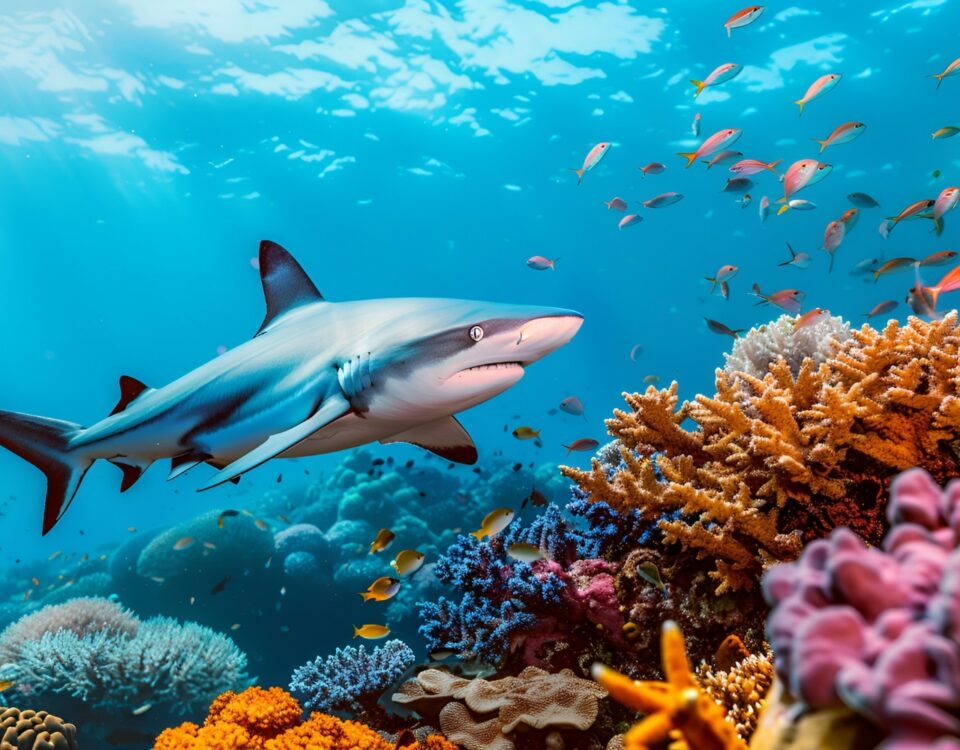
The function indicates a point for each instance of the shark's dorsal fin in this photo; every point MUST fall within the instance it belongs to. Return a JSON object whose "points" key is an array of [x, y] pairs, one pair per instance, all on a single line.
{"points": [[130, 389], [444, 437], [285, 284]]}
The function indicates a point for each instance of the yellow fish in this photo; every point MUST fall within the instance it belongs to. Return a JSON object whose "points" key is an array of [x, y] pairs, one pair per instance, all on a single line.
{"points": [[526, 433], [383, 540], [495, 522], [184, 543], [371, 632], [524, 552], [381, 589], [6, 685], [408, 561]]}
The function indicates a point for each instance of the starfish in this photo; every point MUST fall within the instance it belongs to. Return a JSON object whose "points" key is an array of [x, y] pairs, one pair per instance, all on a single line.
{"points": [[677, 705]]}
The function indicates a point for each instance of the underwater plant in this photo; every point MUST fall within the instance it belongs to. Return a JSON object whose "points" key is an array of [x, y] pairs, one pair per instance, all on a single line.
{"points": [[877, 630], [351, 679]]}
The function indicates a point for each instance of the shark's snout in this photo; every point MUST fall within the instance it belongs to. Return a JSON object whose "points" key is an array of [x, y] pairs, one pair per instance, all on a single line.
{"points": [[540, 336]]}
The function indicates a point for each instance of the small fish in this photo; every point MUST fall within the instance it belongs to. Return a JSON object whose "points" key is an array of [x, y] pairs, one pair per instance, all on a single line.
{"points": [[940, 258], [723, 157], [539, 263], [220, 585], [720, 74], [936, 174], [730, 652], [382, 540], [651, 574], [800, 260], [867, 266], [616, 204], [800, 204], [893, 265], [132, 529], [744, 200], [737, 185], [572, 405], [635, 351], [723, 273], [141, 710], [921, 301], [524, 552], [525, 433], [591, 160], [842, 134], [951, 70], [653, 167], [743, 17], [810, 318], [629, 220], [407, 562], [695, 125], [226, 514], [718, 327], [663, 200], [371, 632], [849, 218], [719, 140], [651, 379], [35, 581], [882, 307], [885, 226], [536, 498], [747, 167], [582, 444], [381, 590], [260, 524], [863, 200], [832, 237], [493, 523], [949, 283], [912, 210], [946, 202], [764, 208], [55, 555], [786, 299], [6, 685], [799, 175], [948, 131], [184, 543], [818, 88], [441, 654]]}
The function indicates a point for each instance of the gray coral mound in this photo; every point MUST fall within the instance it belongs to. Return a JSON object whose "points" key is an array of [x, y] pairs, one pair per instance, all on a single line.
{"points": [[754, 352]]}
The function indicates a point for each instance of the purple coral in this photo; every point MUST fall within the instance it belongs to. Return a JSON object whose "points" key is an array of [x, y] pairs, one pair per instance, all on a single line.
{"points": [[878, 630]]}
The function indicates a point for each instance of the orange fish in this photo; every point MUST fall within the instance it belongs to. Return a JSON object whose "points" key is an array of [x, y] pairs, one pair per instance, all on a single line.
{"points": [[949, 283], [938, 259], [715, 142], [810, 318], [912, 210], [786, 299], [951, 70], [894, 264], [743, 17], [818, 88]]}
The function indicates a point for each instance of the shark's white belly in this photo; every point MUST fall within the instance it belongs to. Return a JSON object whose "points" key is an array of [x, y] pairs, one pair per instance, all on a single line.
{"points": [[350, 431]]}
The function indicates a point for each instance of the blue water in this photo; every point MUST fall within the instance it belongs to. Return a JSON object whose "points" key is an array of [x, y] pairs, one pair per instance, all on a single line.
{"points": [[422, 149]]}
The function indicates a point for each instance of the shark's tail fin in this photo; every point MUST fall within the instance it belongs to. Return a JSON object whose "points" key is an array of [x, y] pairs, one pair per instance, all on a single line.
{"points": [[45, 443]]}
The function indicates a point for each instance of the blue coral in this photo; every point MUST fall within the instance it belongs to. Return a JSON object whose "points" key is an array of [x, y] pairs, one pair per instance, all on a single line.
{"points": [[351, 679]]}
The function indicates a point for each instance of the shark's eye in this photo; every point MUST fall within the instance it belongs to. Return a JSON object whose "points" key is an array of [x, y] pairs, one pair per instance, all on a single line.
{"points": [[476, 333]]}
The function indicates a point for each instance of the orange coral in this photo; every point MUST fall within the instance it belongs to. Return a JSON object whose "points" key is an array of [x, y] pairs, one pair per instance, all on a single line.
{"points": [[777, 461], [270, 719]]}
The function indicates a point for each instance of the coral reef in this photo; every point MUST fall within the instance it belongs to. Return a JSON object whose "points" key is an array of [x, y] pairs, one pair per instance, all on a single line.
{"points": [[351, 679], [485, 714], [270, 719], [677, 705], [774, 462], [35, 730], [878, 630], [304, 550], [112, 668], [760, 347], [738, 688]]}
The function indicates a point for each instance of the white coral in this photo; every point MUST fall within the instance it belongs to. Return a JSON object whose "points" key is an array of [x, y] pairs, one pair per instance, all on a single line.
{"points": [[762, 346]]}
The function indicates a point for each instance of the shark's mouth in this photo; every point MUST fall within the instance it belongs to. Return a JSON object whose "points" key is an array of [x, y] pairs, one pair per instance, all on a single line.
{"points": [[495, 366]]}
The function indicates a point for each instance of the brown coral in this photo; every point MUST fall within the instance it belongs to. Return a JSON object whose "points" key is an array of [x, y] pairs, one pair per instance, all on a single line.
{"points": [[35, 730], [483, 714], [777, 461], [739, 688]]}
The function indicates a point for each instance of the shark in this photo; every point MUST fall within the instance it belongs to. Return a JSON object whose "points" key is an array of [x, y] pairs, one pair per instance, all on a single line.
{"points": [[317, 377]]}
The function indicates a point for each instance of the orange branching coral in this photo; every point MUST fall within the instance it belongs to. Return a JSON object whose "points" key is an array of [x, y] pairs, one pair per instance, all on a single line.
{"points": [[675, 707], [270, 719], [778, 461]]}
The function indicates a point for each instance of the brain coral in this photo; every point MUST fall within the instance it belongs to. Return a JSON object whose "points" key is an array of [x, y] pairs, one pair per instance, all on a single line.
{"points": [[35, 730], [776, 461]]}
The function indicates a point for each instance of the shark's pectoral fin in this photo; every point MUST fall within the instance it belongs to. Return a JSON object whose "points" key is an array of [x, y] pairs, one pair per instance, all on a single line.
{"points": [[445, 437], [332, 408], [180, 465], [130, 390]]}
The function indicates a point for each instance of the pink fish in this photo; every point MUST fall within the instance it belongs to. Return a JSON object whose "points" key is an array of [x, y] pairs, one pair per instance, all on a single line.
{"points": [[946, 202], [810, 318], [653, 167], [617, 204], [720, 74], [747, 167], [800, 260], [818, 88], [718, 140], [832, 237], [723, 274], [725, 289], [882, 307], [951, 70], [742, 18], [842, 134], [940, 258], [722, 157], [799, 175], [572, 405], [786, 299], [592, 159], [629, 220], [764, 208], [663, 200], [583, 444], [914, 209], [539, 263]]}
